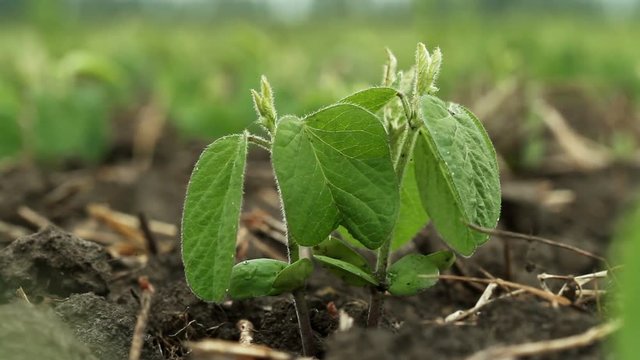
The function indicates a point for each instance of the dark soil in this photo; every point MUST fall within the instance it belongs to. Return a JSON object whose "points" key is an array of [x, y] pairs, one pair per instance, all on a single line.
{"points": [[86, 296]]}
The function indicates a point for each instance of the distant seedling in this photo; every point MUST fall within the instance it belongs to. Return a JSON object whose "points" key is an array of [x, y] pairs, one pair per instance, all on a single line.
{"points": [[374, 167]]}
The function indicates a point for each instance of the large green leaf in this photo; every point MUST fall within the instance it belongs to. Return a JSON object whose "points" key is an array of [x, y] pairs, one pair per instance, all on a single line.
{"points": [[334, 167], [254, 278], [337, 249], [210, 216], [372, 99], [412, 216], [457, 173], [412, 274], [292, 277], [348, 272]]}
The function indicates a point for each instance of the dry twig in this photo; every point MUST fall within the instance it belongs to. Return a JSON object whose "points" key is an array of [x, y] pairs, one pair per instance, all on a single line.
{"points": [[484, 299], [22, 295], [33, 217], [519, 236], [549, 296], [222, 349], [158, 227], [579, 281], [585, 153], [511, 352], [141, 323]]}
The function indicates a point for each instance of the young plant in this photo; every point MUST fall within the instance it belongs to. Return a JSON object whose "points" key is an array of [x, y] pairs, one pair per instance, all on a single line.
{"points": [[446, 170], [360, 166]]}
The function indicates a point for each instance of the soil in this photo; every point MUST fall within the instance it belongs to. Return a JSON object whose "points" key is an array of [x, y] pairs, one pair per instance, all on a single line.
{"points": [[85, 295]]}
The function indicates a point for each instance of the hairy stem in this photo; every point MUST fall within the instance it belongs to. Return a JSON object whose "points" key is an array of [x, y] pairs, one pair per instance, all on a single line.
{"points": [[300, 303], [376, 303], [260, 141]]}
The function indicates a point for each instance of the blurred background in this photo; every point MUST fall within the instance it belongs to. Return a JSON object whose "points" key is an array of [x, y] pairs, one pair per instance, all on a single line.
{"points": [[70, 68]]}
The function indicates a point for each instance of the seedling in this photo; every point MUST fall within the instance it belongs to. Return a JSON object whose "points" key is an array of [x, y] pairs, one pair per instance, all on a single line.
{"points": [[371, 166]]}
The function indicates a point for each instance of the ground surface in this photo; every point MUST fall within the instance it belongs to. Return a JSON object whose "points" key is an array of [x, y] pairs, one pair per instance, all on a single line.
{"points": [[88, 288]]}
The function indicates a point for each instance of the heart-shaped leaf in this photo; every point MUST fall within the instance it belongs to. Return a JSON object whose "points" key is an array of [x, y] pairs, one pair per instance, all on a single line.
{"points": [[210, 216], [372, 99], [254, 278], [412, 274], [337, 249], [292, 277], [348, 272], [334, 167], [457, 174]]}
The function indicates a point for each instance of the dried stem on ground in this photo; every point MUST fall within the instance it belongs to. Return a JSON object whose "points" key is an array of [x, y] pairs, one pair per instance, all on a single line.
{"points": [[549, 296], [584, 153], [33, 217], [520, 236], [510, 352], [143, 317], [222, 349]]}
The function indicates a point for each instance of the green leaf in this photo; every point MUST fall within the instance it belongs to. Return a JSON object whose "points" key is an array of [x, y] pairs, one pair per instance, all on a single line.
{"points": [[292, 277], [372, 99], [443, 259], [348, 272], [337, 249], [412, 274], [344, 235], [412, 216], [627, 248], [334, 167], [210, 216], [457, 174], [254, 278]]}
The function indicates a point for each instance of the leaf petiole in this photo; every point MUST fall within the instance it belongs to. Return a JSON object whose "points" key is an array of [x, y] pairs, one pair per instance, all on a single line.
{"points": [[260, 141]]}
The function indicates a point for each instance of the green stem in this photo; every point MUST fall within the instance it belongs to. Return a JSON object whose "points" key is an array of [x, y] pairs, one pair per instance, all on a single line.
{"points": [[376, 303], [300, 303], [260, 141]]}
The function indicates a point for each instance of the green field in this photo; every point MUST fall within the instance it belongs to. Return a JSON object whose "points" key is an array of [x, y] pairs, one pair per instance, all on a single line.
{"points": [[61, 83]]}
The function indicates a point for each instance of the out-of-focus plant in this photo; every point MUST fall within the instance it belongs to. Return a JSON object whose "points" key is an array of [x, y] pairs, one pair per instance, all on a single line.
{"points": [[628, 242], [55, 109]]}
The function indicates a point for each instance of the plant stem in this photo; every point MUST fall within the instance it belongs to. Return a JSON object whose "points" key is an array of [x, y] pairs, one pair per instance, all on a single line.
{"points": [[376, 303], [302, 311], [300, 303], [260, 141]]}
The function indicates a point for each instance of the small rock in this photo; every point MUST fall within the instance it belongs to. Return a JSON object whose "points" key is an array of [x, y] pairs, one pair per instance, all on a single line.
{"points": [[53, 263], [106, 328]]}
